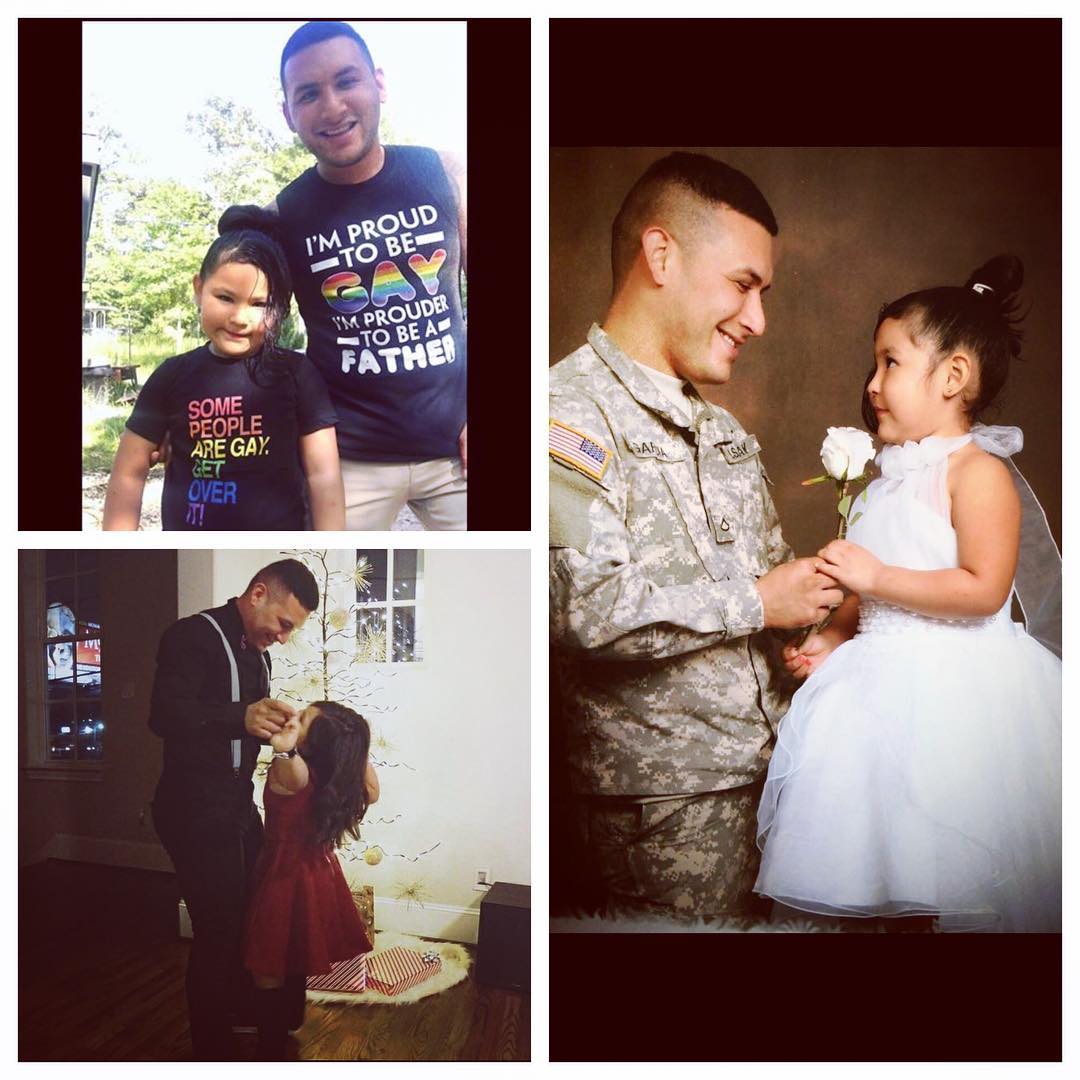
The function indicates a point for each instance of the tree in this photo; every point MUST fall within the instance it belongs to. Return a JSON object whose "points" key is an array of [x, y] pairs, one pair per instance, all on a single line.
{"points": [[324, 661]]}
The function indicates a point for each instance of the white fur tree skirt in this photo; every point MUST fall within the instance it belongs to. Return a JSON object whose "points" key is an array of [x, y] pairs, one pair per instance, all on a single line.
{"points": [[455, 966]]}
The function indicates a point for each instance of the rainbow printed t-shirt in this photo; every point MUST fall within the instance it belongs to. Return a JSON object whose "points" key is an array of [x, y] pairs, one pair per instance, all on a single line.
{"points": [[376, 272], [235, 430]]}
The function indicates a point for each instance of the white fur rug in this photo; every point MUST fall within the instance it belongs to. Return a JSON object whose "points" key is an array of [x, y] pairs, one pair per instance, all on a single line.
{"points": [[455, 966]]}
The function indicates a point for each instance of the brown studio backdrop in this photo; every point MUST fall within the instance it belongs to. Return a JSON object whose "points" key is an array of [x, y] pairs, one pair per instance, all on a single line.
{"points": [[858, 227]]}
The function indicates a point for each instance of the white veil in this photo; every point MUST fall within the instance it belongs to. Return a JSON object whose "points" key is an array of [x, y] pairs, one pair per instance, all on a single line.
{"points": [[1038, 570]]}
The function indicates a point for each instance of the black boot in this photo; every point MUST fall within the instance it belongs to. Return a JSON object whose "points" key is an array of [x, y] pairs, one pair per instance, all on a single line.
{"points": [[272, 1019]]}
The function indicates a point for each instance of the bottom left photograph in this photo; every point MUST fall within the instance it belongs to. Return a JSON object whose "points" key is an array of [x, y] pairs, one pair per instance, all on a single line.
{"points": [[274, 805]]}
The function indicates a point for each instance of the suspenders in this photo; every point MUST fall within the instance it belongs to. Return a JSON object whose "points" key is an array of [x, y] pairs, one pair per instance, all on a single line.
{"points": [[234, 677]]}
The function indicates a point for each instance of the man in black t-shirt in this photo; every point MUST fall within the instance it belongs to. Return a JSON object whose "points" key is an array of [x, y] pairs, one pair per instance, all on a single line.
{"points": [[212, 708], [375, 237]]}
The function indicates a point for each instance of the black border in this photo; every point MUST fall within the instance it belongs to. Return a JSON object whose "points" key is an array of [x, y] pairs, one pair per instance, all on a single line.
{"points": [[500, 289], [50, 274], [805, 82], [806, 997]]}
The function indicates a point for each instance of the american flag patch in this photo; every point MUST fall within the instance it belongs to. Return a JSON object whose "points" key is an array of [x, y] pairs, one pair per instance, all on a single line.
{"points": [[349, 976], [398, 968], [577, 450]]}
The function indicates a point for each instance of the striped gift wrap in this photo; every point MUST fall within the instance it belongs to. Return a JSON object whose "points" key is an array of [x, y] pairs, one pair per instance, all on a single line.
{"points": [[397, 969], [347, 976]]}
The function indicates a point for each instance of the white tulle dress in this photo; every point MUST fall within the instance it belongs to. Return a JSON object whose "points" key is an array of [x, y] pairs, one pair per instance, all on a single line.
{"points": [[918, 770]]}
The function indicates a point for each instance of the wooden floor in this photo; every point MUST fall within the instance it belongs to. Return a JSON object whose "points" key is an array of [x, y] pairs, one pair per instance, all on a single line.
{"points": [[101, 978]]}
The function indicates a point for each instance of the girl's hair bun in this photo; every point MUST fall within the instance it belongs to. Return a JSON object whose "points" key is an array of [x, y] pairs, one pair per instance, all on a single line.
{"points": [[249, 217], [999, 281]]}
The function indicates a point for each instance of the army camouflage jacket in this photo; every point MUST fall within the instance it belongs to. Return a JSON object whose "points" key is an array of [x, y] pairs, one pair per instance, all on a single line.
{"points": [[670, 684]]}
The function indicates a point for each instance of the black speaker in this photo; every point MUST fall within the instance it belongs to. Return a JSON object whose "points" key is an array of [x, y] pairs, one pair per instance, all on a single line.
{"points": [[502, 948]]}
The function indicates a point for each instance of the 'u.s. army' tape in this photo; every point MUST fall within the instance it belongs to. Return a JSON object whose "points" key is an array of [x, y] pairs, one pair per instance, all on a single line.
{"points": [[576, 449]]}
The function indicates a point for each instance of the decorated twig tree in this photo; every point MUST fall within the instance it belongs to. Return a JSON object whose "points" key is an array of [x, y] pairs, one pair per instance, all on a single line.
{"points": [[328, 661]]}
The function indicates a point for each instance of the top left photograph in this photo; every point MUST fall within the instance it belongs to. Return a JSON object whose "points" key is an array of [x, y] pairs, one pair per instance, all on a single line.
{"points": [[274, 290]]}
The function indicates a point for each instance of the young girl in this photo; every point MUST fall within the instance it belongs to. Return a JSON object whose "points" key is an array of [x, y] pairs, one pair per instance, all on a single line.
{"points": [[301, 917], [247, 420], [918, 769]]}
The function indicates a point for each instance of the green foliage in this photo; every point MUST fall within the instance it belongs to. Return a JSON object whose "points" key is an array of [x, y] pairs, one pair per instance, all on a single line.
{"points": [[146, 246], [148, 237], [293, 334]]}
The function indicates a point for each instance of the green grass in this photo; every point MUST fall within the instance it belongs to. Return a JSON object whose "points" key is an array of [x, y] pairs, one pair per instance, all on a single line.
{"points": [[103, 417], [100, 439], [147, 351]]}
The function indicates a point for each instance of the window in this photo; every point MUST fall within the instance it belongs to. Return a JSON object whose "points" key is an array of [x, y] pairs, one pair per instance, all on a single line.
{"points": [[71, 654], [389, 589]]}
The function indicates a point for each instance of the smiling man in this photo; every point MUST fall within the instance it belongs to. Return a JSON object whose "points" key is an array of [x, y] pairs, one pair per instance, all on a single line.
{"points": [[211, 706], [375, 237], [668, 567]]}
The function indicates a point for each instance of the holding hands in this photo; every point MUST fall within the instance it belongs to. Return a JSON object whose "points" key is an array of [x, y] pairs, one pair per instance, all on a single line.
{"points": [[853, 566], [285, 739], [803, 660], [267, 717], [796, 594]]}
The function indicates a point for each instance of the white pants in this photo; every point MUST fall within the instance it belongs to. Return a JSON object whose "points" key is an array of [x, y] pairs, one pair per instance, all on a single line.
{"points": [[375, 492]]}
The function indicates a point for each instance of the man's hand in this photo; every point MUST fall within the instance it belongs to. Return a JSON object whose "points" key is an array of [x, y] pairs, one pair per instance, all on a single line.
{"points": [[285, 739], [853, 566], [267, 717], [463, 450], [161, 455], [807, 658], [795, 594]]}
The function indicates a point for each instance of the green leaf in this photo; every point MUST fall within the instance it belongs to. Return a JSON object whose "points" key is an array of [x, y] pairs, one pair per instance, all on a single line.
{"points": [[816, 480], [844, 506], [855, 518]]}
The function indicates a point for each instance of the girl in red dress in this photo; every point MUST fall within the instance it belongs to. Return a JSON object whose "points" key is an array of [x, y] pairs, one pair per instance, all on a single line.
{"points": [[301, 918]]}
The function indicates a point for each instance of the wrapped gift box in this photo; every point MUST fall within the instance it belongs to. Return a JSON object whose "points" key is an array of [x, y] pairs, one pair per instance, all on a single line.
{"points": [[397, 969], [348, 976], [364, 899]]}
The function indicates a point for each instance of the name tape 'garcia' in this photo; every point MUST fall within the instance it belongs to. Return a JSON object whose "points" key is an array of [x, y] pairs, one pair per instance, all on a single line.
{"points": [[650, 448]]}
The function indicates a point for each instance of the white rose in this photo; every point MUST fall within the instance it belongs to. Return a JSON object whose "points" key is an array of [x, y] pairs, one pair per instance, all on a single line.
{"points": [[845, 452]]}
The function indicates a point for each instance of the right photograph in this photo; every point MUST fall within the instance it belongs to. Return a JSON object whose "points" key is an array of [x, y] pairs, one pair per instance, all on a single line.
{"points": [[805, 523]]}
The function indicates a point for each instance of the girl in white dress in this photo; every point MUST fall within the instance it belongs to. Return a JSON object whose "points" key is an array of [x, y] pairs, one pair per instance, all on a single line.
{"points": [[918, 769]]}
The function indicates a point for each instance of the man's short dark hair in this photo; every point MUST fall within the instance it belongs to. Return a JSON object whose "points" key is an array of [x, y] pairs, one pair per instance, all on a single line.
{"points": [[292, 576], [322, 30], [681, 178]]}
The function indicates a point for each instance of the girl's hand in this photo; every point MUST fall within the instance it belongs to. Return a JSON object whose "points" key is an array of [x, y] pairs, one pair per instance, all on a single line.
{"points": [[285, 739], [805, 660], [853, 566]]}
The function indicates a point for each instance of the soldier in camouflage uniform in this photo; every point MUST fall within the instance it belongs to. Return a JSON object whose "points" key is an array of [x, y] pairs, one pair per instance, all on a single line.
{"points": [[667, 560]]}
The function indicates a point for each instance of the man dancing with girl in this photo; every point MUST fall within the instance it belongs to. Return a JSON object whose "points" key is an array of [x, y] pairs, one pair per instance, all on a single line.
{"points": [[265, 913]]}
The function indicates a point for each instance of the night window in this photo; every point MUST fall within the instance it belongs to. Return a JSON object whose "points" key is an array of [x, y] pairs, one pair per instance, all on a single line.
{"points": [[71, 653], [389, 591]]}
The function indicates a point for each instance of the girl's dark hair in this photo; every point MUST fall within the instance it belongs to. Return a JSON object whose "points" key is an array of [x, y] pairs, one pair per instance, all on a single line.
{"points": [[249, 234], [336, 748], [978, 317]]}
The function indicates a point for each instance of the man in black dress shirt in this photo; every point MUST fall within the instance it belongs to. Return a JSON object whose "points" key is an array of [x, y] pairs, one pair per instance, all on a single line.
{"points": [[211, 705]]}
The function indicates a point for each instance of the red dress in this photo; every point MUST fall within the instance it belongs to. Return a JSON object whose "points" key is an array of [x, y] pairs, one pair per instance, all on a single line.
{"points": [[301, 917]]}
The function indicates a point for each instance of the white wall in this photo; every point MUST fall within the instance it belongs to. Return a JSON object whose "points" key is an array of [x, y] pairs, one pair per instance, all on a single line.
{"points": [[457, 769]]}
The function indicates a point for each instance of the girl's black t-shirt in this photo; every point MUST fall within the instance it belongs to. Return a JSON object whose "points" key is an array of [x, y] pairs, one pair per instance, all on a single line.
{"points": [[235, 428]]}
